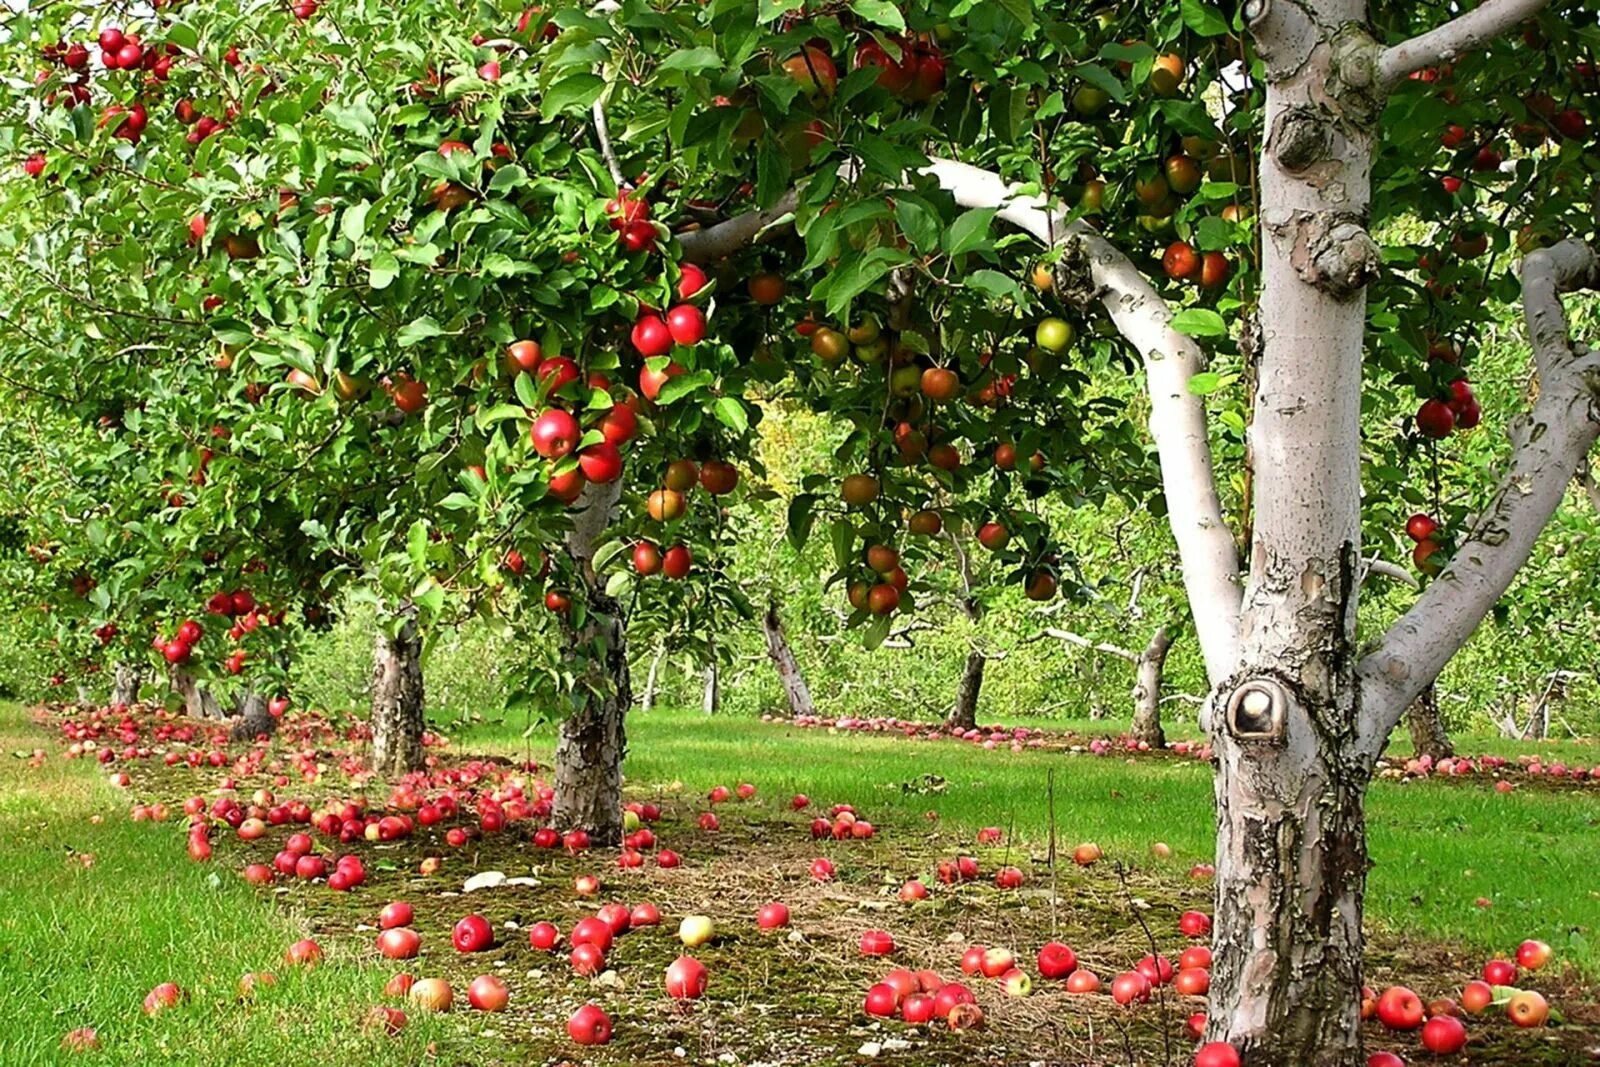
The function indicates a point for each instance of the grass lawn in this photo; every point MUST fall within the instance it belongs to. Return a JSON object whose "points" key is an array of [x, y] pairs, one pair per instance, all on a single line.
{"points": [[81, 945], [82, 941]]}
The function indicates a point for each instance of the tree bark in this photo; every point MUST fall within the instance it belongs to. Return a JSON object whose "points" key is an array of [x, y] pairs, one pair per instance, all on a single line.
{"points": [[1291, 836], [592, 741], [126, 680], [252, 719], [199, 702], [1147, 690], [795, 690], [964, 713], [711, 694], [398, 699], [648, 701], [1428, 735]]}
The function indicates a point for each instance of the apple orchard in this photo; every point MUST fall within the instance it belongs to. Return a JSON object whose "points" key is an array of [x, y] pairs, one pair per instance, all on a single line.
{"points": [[473, 313]]}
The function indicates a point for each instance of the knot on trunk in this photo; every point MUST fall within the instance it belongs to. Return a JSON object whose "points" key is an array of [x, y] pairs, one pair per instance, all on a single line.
{"points": [[1074, 276], [1334, 253], [1301, 138], [1353, 79]]}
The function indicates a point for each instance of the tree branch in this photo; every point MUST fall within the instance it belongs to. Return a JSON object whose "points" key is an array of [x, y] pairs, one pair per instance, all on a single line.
{"points": [[602, 130], [1390, 570], [1472, 30], [714, 242], [1548, 444], [1083, 642], [1591, 488], [1177, 416]]}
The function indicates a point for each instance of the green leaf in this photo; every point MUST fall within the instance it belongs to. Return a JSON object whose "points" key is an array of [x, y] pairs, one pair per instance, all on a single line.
{"points": [[354, 223], [731, 413], [969, 232], [1101, 78], [682, 386], [877, 630], [619, 583], [918, 221], [801, 516], [692, 60], [1199, 322], [880, 13], [1205, 383], [182, 35], [994, 283], [382, 270], [418, 330], [1203, 19], [572, 93], [844, 539]]}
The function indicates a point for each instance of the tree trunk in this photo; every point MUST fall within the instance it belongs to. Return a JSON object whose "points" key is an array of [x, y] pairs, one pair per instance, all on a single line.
{"points": [[252, 719], [592, 742], [651, 680], [964, 713], [126, 679], [795, 690], [1428, 734], [711, 696], [398, 699], [1290, 785], [199, 702], [1147, 691]]}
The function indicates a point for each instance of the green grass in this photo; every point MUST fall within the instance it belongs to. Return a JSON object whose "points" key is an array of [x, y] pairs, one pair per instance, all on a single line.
{"points": [[81, 946], [1436, 846]]}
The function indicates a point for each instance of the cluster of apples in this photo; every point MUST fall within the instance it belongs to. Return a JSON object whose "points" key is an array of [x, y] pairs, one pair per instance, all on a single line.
{"points": [[1421, 528], [1439, 1023], [1439, 418], [841, 824]]}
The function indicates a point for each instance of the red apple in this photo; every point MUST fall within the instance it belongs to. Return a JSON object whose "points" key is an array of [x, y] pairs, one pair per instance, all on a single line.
{"points": [[1194, 924], [882, 1000], [1476, 997], [1533, 955], [1527, 1009], [773, 916], [589, 1025], [395, 913], [1216, 1054], [399, 943], [1499, 972], [1400, 1009], [488, 993], [686, 979], [1443, 1035], [472, 934], [877, 943], [1057, 960]]}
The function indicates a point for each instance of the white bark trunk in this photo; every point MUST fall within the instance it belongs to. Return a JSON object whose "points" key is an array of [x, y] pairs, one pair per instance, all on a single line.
{"points": [[796, 693], [1147, 690], [711, 689], [199, 702], [648, 700], [126, 679], [1291, 847]]}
